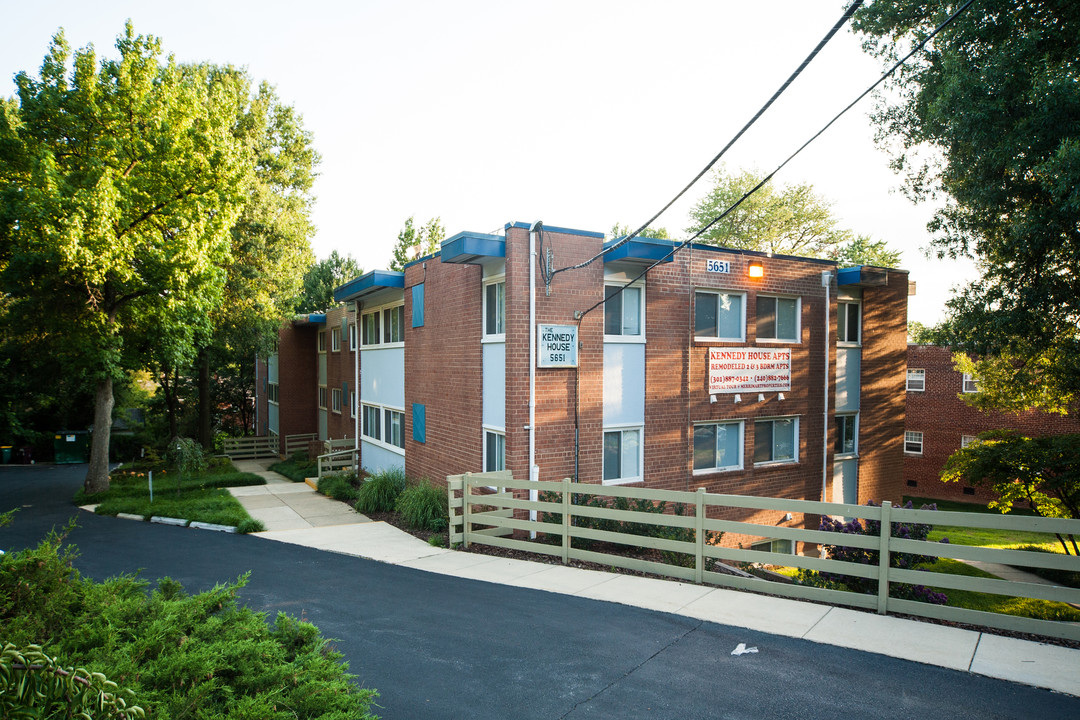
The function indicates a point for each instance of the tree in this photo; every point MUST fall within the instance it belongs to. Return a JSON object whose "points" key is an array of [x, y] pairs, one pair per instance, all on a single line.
{"points": [[427, 238], [619, 230], [920, 334], [119, 183], [1041, 472], [987, 121], [864, 250], [321, 279]]}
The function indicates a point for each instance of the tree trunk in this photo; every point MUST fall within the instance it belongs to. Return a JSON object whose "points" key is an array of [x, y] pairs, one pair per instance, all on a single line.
{"points": [[205, 438], [97, 476], [172, 405]]}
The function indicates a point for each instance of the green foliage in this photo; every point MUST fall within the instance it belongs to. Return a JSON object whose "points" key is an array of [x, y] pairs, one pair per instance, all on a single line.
{"points": [[321, 279], [427, 240], [250, 525], [379, 493], [920, 334], [297, 468], [424, 506], [1012, 383], [32, 684], [340, 486], [619, 230], [986, 125], [864, 250], [991, 602], [184, 656], [1042, 472]]}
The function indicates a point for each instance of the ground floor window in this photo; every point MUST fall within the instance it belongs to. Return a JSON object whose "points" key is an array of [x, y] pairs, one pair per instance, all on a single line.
{"points": [[846, 435], [494, 451], [718, 446], [395, 428], [776, 440], [622, 455], [383, 425], [335, 400], [273, 392], [323, 397], [776, 546], [371, 422], [913, 442]]}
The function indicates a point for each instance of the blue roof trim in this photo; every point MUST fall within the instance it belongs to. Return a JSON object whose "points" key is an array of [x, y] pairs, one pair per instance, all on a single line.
{"points": [[467, 247], [317, 318], [641, 249], [849, 276], [554, 229], [368, 283]]}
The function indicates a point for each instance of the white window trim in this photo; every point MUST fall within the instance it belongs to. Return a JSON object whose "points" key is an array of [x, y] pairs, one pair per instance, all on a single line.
{"points": [[352, 403], [493, 337], [379, 309], [725, 468], [770, 541], [381, 442], [352, 336], [742, 321], [921, 441], [335, 339], [908, 382], [855, 452], [501, 432], [966, 440], [794, 460], [848, 343], [268, 393], [336, 393], [640, 477], [321, 341], [628, 339], [320, 393], [969, 378], [798, 319]]}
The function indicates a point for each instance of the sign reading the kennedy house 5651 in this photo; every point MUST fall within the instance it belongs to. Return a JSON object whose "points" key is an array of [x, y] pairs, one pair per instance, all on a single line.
{"points": [[557, 346], [749, 369]]}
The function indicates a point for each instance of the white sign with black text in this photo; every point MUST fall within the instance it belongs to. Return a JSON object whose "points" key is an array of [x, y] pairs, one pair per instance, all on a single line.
{"points": [[557, 346]]}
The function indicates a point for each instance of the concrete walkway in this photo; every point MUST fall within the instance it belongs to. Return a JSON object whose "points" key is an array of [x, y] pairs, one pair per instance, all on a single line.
{"points": [[1031, 663]]}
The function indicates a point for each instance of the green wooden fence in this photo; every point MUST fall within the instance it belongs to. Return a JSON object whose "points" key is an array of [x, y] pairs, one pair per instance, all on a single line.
{"points": [[484, 510]]}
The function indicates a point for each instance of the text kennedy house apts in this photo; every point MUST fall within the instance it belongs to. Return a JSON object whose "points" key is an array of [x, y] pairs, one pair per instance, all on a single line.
{"points": [[732, 370]]}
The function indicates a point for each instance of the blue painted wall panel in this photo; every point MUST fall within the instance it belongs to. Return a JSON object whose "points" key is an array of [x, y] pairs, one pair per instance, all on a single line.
{"points": [[624, 383], [374, 458], [495, 385], [382, 376]]}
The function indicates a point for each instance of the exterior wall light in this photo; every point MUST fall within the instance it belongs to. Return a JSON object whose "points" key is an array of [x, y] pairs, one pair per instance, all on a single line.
{"points": [[755, 270]]}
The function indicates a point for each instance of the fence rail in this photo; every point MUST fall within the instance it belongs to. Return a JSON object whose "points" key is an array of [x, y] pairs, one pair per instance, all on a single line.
{"points": [[336, 462], [484, 510], [296, 443], [250, 448]]}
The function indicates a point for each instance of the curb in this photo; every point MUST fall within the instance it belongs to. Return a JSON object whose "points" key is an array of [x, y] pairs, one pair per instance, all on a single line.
{"points": [[180, 522]]}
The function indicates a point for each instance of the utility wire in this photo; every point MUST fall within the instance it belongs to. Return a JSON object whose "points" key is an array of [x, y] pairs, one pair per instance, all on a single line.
{"points": [[802, 66], [751, 191]]}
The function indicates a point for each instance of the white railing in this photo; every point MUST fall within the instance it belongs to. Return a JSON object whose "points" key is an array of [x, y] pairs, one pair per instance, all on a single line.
{"points": [[337, 462], [250, 448]]}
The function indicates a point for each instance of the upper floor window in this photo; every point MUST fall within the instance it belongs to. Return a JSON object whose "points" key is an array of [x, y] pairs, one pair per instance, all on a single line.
{"points": [[352, 336], [322, 342], [623, 310], [495, 309], [913, 442], [719, 315], [971, 385], [371, 328], [384, 326], [776, 440], [718, 446], [848, 328], [777, 318], [335, 340], [916, 379], [335, 400], [847, 435], [323, 395], [272, 392]]}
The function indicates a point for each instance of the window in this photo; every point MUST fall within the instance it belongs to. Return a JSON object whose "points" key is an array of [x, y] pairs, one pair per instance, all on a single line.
{"points": [[393, 324], [622, 310], [418, 305], [395, 428], [718, 446], [848, 326], [966, 440], [776, 546], [335, 340], [322, 397], [322, 342], [371, 328], [371, 425], [778, 318], [273, 393], [352, 336], [916, 380], [847, 427], [495, 309], [352, 403], [719, 315], [335, 400], [776, 440], [494, 451], [913, 442], [971, 385], [622, 456]]}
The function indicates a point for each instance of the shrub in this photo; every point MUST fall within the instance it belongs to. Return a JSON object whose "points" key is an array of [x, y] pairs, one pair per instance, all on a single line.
{"points": [[339, 487], [380, 492], [1068, 578], [424, 506], [298, 467], [251, 525]]}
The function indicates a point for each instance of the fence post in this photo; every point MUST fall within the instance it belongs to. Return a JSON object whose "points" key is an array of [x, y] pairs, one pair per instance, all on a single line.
{"points": [[883, 558], [566, 520], [699, 536], [465, 522]]}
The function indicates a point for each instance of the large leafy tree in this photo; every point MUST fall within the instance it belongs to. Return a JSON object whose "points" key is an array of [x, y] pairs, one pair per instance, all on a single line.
{"points": [[427, 238], [119, 182], [321, 279], [986, 121], [791, 220]]}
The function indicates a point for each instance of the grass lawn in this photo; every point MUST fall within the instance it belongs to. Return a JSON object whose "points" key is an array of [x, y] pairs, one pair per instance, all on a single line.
{"points": [[201, 497], [297, 468], [989, 602], [982, 537]]}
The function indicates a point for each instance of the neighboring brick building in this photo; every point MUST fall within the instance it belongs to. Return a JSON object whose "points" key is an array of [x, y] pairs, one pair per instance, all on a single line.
{"points": [[444, 370], [939, 423]]}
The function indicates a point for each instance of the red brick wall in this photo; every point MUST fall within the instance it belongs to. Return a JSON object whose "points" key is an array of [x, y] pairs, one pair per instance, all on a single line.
{"points": [[298, 375], [942, 416], [339, 369], [443, 370], [884, 374]]}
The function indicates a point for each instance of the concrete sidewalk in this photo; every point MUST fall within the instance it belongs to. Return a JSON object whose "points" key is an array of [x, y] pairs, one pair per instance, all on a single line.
{"points": [[1031, 663]]}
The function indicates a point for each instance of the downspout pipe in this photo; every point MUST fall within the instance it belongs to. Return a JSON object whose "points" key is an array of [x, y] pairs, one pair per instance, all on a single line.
{"points": [[534, 471], [826, 281], [355, 404]]}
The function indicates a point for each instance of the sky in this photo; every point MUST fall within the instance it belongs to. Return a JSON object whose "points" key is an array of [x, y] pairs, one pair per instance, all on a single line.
{"points": [[579, 113]]}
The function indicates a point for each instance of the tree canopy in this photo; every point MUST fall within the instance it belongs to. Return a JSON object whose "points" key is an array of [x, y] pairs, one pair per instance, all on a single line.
{"points": [[790, 220], [321, 279], [622, 230], [119, 183], [427, 238], [987, 122]]}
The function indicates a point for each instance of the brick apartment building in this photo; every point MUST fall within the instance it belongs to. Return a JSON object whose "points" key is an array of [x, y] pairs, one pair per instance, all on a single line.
{"points": [[939, 423], [726, 369]]}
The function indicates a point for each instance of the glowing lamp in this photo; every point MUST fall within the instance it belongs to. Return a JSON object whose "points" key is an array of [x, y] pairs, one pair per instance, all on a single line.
{"points": [[755, 270]]}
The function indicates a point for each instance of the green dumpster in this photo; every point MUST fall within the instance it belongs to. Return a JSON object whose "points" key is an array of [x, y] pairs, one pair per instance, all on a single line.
{"points": [[71, 446], [5, 453]]}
